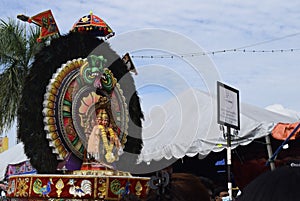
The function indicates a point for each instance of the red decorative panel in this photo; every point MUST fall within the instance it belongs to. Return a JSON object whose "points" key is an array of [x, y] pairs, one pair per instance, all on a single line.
{"points": [[43, 187]]}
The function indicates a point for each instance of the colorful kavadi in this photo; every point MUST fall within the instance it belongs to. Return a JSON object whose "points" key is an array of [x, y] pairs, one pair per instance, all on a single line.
{"points": [[85, 117]]}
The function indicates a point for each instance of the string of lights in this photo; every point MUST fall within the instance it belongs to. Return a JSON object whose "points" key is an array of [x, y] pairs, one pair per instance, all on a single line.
{"points": [[170, 56], [235, 50]]}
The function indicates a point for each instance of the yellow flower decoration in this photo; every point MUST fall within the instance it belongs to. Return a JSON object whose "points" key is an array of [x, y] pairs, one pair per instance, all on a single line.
{"points": [[109, 156]]}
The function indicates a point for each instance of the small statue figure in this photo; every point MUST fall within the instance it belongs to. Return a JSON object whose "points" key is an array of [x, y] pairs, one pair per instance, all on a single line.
{"points": [[104, 144]]}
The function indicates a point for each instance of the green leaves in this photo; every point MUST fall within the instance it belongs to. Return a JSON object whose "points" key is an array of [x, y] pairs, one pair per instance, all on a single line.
{"points": [[17, 49]]}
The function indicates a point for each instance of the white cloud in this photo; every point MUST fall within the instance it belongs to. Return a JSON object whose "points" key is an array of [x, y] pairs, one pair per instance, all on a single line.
{"points": [[263, 78]]}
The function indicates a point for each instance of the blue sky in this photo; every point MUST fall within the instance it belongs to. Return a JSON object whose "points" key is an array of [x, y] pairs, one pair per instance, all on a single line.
{"points": [[263, 78]]}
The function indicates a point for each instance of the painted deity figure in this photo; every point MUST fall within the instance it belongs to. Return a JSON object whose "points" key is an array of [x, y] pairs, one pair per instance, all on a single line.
{"points": [[104, 144]]}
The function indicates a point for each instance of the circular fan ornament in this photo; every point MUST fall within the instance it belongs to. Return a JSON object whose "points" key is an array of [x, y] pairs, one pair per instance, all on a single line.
{"points": [[93, 25], [78, 92]]}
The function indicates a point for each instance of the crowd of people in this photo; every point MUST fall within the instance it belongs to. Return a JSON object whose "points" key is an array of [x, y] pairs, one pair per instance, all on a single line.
{"points": [[184, 187]]}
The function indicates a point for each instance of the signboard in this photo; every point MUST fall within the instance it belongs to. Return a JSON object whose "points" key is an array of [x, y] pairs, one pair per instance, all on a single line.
{"points": [[228, 106]]}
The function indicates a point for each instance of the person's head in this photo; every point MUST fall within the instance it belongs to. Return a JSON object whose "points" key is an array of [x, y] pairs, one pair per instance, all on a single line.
{"points": [[279, 184], [220, 192], [209, 184], [182, 186]]}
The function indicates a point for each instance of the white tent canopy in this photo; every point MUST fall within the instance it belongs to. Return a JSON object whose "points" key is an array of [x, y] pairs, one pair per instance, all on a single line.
{"points": [[187, 125], [13, 155]]}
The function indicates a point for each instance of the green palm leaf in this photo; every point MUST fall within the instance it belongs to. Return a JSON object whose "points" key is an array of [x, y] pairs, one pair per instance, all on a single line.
{"points": [[17, 49]]}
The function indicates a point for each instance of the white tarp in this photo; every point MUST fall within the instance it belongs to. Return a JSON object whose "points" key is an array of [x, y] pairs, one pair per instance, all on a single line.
{"points": [[187, 125], [13, 155]]}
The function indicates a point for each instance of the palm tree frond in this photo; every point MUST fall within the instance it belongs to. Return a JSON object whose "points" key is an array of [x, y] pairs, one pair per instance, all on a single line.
{"points": [[18, 46]]}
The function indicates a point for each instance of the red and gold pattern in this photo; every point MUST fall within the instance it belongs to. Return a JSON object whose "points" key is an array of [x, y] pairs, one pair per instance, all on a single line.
{"points": [[80, 187], [69, 110], [94, 25], [47, 23], [50, 107]]}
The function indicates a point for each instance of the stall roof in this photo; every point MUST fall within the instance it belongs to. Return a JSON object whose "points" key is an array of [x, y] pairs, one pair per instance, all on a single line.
{"points": [[187, 125]]}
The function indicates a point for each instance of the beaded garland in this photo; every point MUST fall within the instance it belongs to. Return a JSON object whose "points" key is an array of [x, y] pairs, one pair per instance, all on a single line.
{"points": [[109, 156]]}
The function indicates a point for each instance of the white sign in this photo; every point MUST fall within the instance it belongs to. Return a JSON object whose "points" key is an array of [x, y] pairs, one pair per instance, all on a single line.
{"points": [[228, 106]]}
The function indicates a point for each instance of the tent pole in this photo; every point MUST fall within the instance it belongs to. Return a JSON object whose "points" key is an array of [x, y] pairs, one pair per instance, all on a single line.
{"points": [[270, 152], [229, 162], [282, 144]]}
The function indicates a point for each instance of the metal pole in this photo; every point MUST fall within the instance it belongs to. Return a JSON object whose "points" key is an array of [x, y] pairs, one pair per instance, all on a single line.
{"points": [[284, 142], [270, 152], [229, 162]]}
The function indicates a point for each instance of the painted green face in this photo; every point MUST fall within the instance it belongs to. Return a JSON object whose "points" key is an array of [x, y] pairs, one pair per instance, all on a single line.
{"points": [[95, 73], [94, 69]]}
